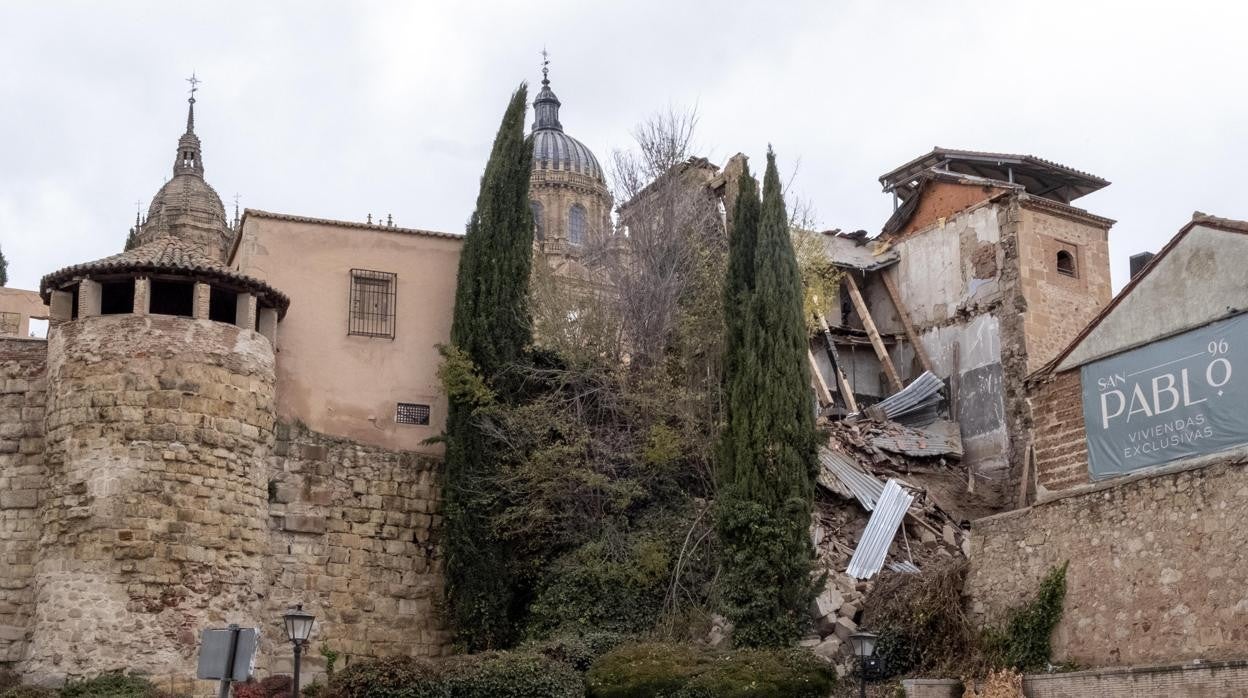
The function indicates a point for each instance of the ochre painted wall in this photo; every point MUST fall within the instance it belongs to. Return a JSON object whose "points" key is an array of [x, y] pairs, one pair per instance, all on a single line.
{"points": [[348, 385]]}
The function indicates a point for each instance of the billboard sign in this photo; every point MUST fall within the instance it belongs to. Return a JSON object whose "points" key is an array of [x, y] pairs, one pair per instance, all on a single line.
{"points": [[1179, 397]]}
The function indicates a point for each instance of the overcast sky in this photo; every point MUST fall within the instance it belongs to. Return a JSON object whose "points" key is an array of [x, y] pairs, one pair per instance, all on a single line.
{"points": [[336, 109]]}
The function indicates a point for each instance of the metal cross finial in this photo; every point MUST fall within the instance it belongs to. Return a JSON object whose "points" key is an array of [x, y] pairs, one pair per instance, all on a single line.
{"points": [[194, 83], [545, 66]]}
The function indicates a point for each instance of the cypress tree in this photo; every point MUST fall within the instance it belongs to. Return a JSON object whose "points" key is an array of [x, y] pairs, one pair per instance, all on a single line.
{"points": [[4, 270], [491, 328], [739, 287], [767, 456]]}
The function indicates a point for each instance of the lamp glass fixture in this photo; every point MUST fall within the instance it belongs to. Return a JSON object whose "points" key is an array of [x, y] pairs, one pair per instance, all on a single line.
{"points": [[298, 624], [864, 644]]}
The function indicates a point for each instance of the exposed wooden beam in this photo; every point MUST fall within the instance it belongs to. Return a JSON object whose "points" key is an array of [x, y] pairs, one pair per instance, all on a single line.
{"points": [[881, 352], [905, 320]]}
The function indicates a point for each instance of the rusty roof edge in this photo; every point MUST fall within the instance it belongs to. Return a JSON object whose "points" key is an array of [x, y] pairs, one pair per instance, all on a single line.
{"points": [[347, 224]]}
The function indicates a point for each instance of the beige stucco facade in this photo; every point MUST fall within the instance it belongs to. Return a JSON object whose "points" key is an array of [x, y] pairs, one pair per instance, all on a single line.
{"points": [[347, 384], [17, 307]]}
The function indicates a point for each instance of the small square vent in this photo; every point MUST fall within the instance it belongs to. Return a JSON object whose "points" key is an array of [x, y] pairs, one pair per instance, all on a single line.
{"points": [[412, 413]]}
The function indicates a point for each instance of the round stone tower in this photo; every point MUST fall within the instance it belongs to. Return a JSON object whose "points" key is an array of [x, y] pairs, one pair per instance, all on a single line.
{"points": [[160, 419]]}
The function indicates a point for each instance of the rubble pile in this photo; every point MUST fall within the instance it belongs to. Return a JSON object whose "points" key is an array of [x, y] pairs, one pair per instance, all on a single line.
{"points": [[860, 457]]}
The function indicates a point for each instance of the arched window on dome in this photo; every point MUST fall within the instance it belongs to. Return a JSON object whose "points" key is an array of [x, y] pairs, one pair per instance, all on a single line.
{"points": [[576, 224], [539, 224]]}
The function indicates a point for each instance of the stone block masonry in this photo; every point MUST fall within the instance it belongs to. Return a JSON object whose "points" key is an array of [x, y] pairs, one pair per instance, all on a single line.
{"points": [[153, 523], [1196, 680], [1156, 565], [353, 537], [22, 395]]}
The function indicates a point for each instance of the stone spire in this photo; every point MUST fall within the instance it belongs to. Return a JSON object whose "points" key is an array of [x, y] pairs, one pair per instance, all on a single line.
{"points": [[190, 157], [186, 207], [546, 106]]}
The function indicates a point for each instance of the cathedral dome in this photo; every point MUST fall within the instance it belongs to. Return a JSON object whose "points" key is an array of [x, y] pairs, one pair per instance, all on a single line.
{"points": [[552, 148], [187, 207], [188, 193]]}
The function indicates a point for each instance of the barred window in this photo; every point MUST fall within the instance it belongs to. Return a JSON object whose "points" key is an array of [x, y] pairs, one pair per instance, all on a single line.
{"points": [[412, 413], [9, 323], [372, 303], [576, 225]]}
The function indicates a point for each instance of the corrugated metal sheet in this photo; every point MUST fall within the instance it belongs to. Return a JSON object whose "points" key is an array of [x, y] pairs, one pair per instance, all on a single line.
{"points": [[841, 475], [914, 404], [881, 529]]}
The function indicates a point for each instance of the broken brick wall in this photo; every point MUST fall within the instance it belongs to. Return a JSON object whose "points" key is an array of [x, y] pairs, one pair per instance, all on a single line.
{"points": [[1155, 565], [1060, 437], [22, 394], [353, 537]]}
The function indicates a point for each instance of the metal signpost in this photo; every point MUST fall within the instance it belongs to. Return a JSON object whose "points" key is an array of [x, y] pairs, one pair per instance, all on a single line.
{"points": [[227, 655], [1175, 398]]}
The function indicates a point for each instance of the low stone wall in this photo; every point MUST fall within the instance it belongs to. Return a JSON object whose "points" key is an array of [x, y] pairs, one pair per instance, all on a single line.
{"points": [[1204, 680], [22, 394], [353, 537], [1156, 565]]}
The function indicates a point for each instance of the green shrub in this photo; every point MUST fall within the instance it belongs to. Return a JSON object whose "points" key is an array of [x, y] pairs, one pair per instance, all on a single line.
{"points": [[510, 675], [646, 670], [578, 650], [761, 674], [1025, 642], [392, 677], [663, 670], [113, 685]]}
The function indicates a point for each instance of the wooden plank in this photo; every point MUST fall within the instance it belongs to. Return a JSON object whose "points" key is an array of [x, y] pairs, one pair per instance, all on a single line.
{"points": [[847, 393], [881, 352], [821, 386], [905, 320], [1029, 464], [955, 382]]}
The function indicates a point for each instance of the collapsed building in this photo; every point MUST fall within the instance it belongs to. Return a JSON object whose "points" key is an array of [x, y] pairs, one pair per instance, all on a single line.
{"points": [[981, 275]]}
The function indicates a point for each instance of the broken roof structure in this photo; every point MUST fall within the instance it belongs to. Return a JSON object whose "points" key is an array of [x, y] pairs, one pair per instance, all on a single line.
{"points": [[1037, 176]]}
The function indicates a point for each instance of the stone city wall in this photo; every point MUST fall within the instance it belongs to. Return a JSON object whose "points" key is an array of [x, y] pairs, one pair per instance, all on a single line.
{"points": [[353, 537], [1196, 680], [1156, 564], [22, 391], [154, 523]]}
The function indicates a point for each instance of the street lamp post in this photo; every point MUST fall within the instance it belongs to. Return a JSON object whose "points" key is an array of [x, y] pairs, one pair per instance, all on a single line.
{"points": [[298, 629], [864, 647]]}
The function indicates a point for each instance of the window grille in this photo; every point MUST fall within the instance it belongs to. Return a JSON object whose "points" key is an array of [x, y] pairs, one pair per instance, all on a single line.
{"points": [[412, 413], [372, 303], [576, 225], [9, 323]]}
